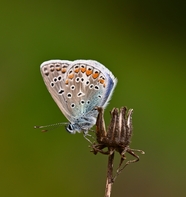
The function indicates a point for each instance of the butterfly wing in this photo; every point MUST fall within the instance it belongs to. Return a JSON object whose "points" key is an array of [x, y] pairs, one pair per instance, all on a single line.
{"points": [[53, 73], [102, 79], [88, 84], [78, 87]]}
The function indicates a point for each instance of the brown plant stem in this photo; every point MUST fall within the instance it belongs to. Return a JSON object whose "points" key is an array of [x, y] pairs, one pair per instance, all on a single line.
{"points": [[109, 180]]}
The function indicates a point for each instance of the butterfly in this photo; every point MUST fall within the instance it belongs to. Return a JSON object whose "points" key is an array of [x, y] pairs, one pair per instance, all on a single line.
{"points": [[78, 87]]}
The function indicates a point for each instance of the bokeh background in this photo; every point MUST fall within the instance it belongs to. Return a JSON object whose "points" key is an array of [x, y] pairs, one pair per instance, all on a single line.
{"points": [[143, 44]]}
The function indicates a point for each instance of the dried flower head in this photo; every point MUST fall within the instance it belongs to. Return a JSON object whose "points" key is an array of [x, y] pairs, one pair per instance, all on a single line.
{"points": [[117, 137]]}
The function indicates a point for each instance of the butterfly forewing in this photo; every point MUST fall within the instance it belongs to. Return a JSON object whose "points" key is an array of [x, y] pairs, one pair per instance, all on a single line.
{"points": [[53, 73]]}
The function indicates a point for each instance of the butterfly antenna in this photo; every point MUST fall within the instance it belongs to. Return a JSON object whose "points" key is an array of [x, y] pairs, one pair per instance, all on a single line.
{"points": [[52, 126]]}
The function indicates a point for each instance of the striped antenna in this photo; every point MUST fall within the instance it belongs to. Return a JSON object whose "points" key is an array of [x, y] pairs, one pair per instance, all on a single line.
{"points": [[51, 125]]}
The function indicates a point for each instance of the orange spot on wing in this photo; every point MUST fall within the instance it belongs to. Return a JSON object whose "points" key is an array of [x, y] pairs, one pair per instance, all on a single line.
{"points": [[66, 82], [58, 68], [83, 69], [95, 75], [71, 76], [52, 69], [102, 81], [63, 70], [76, 70], [89, 72]]}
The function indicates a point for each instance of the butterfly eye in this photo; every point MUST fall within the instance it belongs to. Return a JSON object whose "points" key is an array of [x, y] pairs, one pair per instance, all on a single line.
{"points": [[70, 128]]}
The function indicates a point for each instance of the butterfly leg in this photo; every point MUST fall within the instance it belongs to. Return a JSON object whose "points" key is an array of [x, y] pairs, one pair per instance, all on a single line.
{"points": [[85, 136]]}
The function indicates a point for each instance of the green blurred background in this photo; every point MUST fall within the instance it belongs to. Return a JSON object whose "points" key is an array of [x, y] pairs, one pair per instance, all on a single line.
{"points": [[143, 44]]}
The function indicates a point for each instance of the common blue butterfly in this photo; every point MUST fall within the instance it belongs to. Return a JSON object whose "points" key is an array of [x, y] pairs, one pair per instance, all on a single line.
{"points": [[78, 87]]}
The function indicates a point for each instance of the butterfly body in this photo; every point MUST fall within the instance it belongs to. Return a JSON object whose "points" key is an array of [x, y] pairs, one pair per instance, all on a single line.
{"points": [[78, 87]]}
